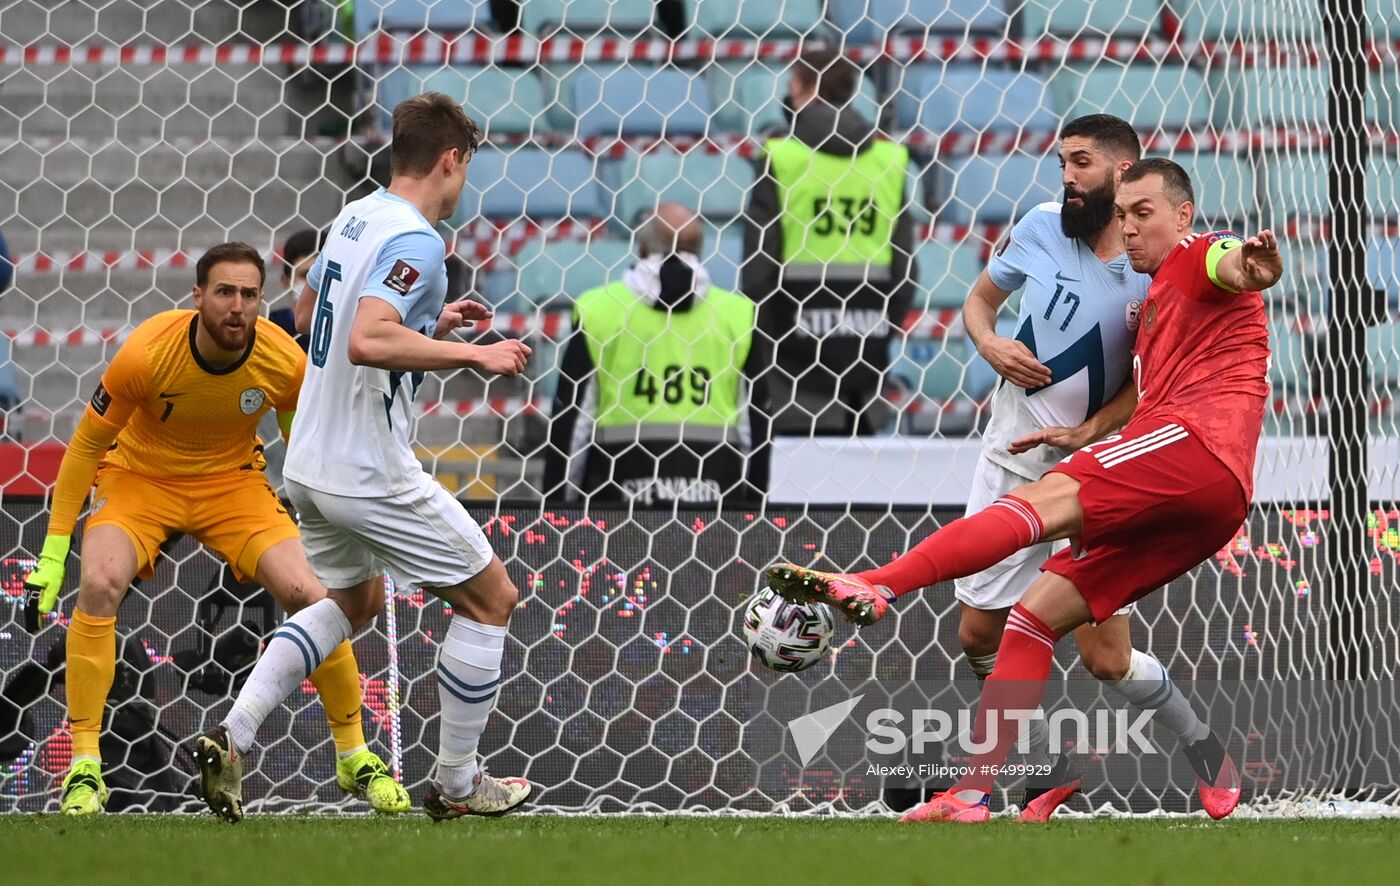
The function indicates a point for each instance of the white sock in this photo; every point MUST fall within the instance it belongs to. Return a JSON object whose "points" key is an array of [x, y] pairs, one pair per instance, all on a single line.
{"points": [[1038, 751], [294, 651], [469, 673], [1148, 686], [982, 665]]}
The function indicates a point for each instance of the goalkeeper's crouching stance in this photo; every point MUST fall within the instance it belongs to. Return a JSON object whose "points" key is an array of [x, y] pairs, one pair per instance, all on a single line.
{"points": [[170, 440]]}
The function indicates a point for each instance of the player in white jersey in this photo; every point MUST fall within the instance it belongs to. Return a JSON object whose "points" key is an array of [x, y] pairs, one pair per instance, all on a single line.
{"points": [[1066, 384], [374, 306]]}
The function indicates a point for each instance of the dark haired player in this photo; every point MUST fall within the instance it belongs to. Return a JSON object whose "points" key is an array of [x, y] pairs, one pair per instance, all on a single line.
{"points": [[1142, 506]]}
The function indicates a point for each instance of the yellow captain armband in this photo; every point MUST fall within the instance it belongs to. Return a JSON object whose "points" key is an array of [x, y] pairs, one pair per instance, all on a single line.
{"points": [[284, 421], [1214, 254]]}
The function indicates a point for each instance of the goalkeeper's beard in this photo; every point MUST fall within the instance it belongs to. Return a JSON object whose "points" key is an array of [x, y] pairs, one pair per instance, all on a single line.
{"points": [[227, 338], [1092, 216]]}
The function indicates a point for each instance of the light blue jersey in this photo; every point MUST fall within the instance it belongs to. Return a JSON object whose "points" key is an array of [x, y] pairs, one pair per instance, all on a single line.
{"points": [[1079, 316], [354, 423]]}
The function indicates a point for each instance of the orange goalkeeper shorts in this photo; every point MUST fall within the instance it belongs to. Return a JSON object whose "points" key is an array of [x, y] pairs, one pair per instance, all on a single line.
{"points": [[236, 515]]}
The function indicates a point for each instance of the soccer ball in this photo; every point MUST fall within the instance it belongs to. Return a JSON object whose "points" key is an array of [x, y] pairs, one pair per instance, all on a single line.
{"points": [[787, 636]]}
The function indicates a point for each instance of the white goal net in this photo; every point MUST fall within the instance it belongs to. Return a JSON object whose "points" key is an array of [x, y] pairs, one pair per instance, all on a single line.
{"points": [[135, 134]]}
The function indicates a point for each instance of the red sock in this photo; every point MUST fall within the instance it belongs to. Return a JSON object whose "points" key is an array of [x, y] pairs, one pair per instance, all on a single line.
{"points": [[964, 547], [1016, 683]]}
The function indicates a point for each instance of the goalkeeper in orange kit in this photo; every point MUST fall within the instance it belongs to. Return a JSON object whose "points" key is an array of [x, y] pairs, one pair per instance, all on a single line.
{"points": [[170, 436]]}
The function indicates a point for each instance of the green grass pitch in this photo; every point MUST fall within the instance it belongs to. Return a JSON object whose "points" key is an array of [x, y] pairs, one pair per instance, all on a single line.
{"points": [[124, 849]]}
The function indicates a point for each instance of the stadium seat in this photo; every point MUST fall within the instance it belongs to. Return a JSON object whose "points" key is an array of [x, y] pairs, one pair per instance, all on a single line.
{"points": [[417, 15], [1303, 288], [496, 287], [933, 367], [967, 98], [1089, 18], [529, 182], [1384, 16], [749, 98], [940, 371], [994, 189], [1168, 97], [1284, 20], [1383, 350], [1305, 283], [586, 17], [1383, 267], [1287, 95], [868, 21], [560, 272], [715, 184], [631, 100], [1297, 186], [946, 272], [1383, 187], [768, 19], [1226, 196], [501, 99], [1292, 354]]}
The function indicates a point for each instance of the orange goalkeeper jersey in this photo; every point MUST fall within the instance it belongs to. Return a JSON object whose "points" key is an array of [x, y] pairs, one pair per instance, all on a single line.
{"points": [[179, 417]]}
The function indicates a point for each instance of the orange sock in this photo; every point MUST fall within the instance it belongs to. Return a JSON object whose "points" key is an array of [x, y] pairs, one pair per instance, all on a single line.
{"points": [[92, 663], [337, 681]]}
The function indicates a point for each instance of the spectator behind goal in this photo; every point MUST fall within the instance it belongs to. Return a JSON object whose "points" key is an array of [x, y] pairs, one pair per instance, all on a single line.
{"points": [[828, 246], [658, 400]]}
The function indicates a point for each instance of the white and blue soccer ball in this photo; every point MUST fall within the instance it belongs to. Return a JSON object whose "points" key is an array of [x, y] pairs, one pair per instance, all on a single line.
{"points": [[785, 636]]}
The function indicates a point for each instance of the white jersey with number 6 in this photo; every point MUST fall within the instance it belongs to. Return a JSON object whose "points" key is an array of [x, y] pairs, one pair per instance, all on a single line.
{"points": [[354, 424]]}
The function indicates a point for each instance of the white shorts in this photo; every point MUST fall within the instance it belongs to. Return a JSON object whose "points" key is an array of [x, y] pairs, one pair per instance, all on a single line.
{"points": [[1001, 586], [422, 538]]}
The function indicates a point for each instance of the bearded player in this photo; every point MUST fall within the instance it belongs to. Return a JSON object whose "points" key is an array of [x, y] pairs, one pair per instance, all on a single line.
{"points": [[170, 436], [1070, 356], [374, 307], [1141, 507]]}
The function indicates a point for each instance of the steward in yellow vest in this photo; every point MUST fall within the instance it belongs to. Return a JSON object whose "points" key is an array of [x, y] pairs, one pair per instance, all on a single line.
{"points": [[657, 402], [828, 254]]}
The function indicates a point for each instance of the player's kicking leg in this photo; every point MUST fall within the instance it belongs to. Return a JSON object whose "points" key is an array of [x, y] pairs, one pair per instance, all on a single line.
{"points": [[1046, 510]]}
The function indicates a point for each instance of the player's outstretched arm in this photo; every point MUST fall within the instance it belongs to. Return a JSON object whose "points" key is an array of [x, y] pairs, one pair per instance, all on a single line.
{"points": [[1110, 417], [378, 338], [75, 474], [1011, 359], [1253, 265]]}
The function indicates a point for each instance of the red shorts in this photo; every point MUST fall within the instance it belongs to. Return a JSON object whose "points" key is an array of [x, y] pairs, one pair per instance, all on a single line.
{"points": [[1156, 504]]}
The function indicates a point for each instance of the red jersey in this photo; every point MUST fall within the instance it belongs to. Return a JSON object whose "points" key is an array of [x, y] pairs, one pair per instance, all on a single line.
{"points": [[1202, 357]]}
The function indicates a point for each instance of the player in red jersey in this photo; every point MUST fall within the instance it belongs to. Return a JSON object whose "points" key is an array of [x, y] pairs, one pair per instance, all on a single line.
{"points": [[1142, 506]]}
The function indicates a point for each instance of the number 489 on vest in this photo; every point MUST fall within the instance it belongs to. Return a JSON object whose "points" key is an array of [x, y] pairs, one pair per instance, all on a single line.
{"points": [[675, 380]]}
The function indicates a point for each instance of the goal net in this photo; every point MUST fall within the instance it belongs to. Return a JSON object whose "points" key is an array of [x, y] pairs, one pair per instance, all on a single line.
{"points": [[134, 134]]}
